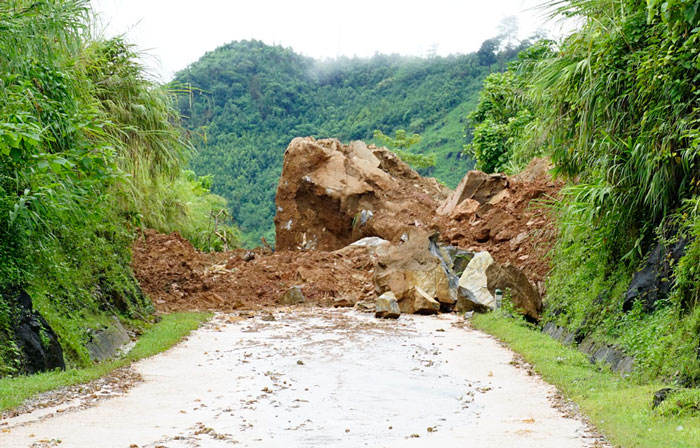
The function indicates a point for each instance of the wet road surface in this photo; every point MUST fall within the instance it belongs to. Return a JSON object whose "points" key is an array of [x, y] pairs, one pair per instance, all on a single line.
{"points": [[317, 378]]}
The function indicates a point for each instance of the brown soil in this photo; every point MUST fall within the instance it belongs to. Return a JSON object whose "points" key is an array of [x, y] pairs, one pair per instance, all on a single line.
{"points": [[513, 229], [177, 277], [496, 228]]}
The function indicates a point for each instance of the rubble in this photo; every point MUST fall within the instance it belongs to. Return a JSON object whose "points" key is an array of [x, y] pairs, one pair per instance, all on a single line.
{"points": [[353, 223], [386, 306], [179, 278], [403, 267], [505, 219]]}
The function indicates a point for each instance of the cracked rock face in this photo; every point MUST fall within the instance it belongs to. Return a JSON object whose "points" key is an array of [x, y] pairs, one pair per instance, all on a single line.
{"points": [[331, 194]]}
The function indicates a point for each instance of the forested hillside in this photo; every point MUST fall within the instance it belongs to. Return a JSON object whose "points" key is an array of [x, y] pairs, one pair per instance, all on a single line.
{"points": [[615, 105], [246, 101], [90, 151]]}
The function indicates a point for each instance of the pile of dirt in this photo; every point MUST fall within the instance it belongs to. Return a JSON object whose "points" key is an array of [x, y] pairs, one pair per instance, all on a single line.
{"points": [[331, 194], [499, 216], [177, 277]]}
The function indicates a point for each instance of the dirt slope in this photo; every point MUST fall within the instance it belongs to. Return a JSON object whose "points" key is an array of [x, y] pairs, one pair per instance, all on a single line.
{"points": [[515, 226], [177, 277]]}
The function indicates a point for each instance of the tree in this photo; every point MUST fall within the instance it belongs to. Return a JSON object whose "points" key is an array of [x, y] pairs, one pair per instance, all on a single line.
{"points": [[400, 143], [487, 52], [508, 31]]}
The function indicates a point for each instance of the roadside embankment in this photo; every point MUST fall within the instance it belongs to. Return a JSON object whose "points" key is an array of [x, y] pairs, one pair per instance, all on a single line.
{"points": [[161, 336]]}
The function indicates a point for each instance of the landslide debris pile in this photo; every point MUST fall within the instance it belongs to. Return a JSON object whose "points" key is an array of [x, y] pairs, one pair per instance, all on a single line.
{"points": [[497, 214], [357, 226], [331, 194], [177, 277]]}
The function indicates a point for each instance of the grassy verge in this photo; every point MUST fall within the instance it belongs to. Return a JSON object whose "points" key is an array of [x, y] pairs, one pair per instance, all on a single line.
{"points": [[620, 408], [160, 337]]}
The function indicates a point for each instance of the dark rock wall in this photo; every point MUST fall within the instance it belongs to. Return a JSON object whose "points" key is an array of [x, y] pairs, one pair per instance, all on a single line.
{"points": [[37, 343]]}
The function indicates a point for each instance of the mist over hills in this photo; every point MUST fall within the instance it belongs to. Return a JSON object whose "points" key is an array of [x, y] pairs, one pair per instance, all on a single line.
{"points": [[247, 100]]}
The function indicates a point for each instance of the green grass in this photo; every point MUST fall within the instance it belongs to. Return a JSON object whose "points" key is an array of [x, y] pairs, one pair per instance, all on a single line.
{"points": [[160, 337], [619, 408]]}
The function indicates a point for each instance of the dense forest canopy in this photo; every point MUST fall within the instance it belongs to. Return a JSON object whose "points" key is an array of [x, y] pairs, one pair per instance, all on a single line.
{"points": [[248, 100]]}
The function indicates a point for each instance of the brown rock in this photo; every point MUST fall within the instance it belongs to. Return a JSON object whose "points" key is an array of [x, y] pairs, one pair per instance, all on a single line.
{"points": [[344, 302], [418, 302], [386, 306], [465, 209], [331, 194], [401, 268], [524, 296], [517, 241], [292, 296], [476, 185]]}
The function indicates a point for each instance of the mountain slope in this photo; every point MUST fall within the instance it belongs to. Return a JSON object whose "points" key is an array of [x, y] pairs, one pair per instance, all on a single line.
{"points": [[248, 100]]}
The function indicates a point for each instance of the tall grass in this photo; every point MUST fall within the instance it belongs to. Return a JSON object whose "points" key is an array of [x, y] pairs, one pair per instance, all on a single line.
{"points": [[90, 149]]}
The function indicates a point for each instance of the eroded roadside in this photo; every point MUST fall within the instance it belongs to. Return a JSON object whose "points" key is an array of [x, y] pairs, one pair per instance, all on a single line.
{"points": [[316, 377]]}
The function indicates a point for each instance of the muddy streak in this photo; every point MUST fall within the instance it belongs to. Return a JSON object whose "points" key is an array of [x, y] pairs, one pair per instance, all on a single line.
{"points": [[320, 378]]}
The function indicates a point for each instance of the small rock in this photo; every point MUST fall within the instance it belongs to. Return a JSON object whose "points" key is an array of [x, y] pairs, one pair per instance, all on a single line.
{"points": [[660, 396], [387, 307], [365, 306], [300, 362], [344, 302], [292, 296], [268, 318]]}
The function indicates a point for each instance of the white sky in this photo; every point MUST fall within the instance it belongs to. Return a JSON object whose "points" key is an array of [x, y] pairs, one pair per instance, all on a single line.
{"points": [[178, 32]]}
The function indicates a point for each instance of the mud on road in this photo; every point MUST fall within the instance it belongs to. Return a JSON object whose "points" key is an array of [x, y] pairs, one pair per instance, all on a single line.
{"points": [[317, 377]]}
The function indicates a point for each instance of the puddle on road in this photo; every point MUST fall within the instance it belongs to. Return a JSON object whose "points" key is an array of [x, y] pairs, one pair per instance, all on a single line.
{"points": [[318, 378]]}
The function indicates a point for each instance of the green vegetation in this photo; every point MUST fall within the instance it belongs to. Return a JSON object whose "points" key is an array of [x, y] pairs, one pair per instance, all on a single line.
{"points": [[400, 144], [505, 122], [248, 100], [90, 150], [620, 408], [156, 339], [615, 105]]}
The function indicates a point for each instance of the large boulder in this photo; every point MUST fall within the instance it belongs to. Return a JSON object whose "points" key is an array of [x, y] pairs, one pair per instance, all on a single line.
{"points": [[418, 301], [330, 195], [387, 307], [523, 295], [402, 268], [473, 292], [476, 186]]}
